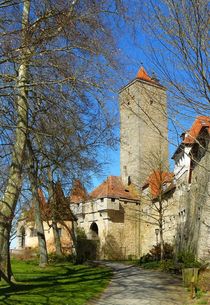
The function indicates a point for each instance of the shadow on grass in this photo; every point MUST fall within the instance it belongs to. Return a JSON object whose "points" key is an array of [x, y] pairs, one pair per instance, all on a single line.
{"points": [[69, 285]]}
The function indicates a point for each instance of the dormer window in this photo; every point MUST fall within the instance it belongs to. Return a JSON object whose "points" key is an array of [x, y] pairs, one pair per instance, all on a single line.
{"points": [[33, 232], [164, 187]]}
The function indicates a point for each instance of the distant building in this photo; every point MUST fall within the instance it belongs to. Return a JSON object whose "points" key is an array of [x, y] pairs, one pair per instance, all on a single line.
{"points": [[26, 228]]}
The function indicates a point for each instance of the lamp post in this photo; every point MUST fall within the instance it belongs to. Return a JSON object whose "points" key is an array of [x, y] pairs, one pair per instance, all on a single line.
{"points": [[157, 233]]}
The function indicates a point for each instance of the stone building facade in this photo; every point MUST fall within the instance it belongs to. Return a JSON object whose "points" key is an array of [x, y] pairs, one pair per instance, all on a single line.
{"points": [[192, 173]]}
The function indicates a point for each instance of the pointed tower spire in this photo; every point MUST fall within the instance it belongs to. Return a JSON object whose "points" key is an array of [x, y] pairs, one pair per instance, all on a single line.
{"points": [[142, 74]]}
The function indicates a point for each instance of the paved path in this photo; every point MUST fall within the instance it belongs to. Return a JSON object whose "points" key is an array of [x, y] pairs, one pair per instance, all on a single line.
{"points": [[131, 285]]}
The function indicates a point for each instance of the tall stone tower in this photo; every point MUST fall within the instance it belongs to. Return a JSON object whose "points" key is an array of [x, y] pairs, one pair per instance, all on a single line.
{"points": [[144, 128]]}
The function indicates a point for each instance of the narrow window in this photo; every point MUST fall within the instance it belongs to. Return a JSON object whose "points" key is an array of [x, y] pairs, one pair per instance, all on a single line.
{"points": [[59, 232]]}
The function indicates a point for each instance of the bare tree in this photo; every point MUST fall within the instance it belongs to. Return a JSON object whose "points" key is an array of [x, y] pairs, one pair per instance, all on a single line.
{"points": [[56, 61], [157, 206], [178, 41]]}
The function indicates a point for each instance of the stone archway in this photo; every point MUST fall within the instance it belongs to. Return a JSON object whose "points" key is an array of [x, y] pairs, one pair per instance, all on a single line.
{"points": [[94, 231]]}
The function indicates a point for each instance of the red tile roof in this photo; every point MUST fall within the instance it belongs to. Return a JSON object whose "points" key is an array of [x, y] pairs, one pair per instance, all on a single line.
{"points": [[113, 187], [156, 181], [78, 193], [193, 133]]}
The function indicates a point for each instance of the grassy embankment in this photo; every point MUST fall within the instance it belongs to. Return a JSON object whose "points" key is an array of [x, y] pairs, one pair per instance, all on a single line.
{"points": [[57, 284]]}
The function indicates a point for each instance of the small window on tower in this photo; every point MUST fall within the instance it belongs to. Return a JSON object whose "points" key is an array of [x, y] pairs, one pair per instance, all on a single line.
{"points": [[128, 103], [113, 199], [151, 102]]}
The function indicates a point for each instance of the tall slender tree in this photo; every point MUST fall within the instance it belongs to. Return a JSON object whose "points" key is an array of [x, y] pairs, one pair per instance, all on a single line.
{"points": [[14, 181]]}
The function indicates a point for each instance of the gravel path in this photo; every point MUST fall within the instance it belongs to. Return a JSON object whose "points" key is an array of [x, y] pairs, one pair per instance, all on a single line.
{"points": [[131, 285]]}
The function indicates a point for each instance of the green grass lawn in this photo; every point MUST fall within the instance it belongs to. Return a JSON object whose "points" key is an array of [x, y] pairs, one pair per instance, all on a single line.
{"points": [[56, 284]]}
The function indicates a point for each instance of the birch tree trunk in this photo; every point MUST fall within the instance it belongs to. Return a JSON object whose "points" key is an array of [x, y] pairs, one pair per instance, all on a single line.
{"points": [[14, 182], [43, 257]]}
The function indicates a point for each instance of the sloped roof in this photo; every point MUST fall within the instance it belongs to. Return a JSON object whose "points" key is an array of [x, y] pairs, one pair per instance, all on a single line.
{"points": [[190, 136], [157, 180], [78, 193], [193, 133], [113, 187]]}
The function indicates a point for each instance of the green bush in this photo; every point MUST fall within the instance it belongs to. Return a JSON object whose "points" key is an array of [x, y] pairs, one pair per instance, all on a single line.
{"points": [[187, 260], [151, 265], [168, 251], [154, 253], [54, 258]]}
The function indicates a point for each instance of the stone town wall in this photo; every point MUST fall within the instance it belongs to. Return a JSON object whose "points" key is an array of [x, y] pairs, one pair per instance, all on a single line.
{"points": [[143, 117], [149, 222]]}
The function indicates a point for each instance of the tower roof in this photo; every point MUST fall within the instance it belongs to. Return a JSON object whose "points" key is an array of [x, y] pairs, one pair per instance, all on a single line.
{"points": [[142, 74]]}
